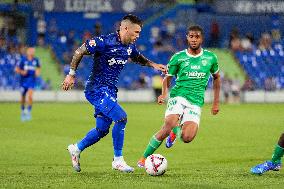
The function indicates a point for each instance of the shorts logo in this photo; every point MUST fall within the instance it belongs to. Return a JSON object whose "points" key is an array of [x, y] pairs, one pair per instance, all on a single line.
{"points": [[92, 43], [171, 104]]}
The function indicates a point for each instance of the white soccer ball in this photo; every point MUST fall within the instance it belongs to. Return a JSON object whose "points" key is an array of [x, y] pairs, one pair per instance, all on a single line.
{"points": [[156, 165]]}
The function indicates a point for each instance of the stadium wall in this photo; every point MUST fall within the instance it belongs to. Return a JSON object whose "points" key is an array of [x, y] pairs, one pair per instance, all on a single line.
{"points": [[137, 96]]}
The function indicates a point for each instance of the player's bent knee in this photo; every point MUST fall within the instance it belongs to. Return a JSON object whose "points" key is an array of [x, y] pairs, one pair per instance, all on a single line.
{"points": [[122, 120], [281, 140], [187, 138], [102, 133]]}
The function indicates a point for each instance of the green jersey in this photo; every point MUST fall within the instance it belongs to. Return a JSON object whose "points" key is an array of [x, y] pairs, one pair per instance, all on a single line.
{"points": [[192, 74]]}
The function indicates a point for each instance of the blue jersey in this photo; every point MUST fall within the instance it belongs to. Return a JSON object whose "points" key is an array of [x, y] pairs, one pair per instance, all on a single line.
{"points": [[110, 57], [28, 81]]}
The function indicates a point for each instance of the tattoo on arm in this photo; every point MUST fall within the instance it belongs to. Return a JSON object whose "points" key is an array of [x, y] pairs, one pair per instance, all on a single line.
{"points": [[78, 55], [140, 59]]}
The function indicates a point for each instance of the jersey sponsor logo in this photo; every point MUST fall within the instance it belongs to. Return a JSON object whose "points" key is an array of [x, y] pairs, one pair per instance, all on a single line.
{"points": [[113, 61], [195, 67], [92, 43], [26, 67], [195, 74]]}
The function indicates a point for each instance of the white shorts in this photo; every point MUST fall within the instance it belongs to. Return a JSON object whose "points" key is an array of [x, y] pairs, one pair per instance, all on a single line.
{"points": [[187, 111]]}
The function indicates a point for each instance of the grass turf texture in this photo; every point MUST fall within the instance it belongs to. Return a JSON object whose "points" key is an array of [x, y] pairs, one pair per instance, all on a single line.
{"points": [[34, 155]]}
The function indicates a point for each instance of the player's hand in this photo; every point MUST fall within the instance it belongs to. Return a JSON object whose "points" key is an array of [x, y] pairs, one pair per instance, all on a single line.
{"points": [[161, 99], [215, 109], [24, 72], [160, 67], [68, 82]]}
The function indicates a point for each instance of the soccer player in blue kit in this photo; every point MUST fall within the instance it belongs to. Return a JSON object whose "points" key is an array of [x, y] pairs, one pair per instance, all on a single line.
{"points": [[29, 69], [110, 54]]}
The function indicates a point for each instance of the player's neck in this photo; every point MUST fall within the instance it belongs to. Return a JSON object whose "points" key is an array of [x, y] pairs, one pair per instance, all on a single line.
{"points": [[193, 51], [121, 39], [30, 57]]}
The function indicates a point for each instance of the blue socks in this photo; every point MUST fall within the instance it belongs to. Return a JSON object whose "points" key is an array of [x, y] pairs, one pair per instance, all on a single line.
{"points": [[118, 137], [29, 108]]}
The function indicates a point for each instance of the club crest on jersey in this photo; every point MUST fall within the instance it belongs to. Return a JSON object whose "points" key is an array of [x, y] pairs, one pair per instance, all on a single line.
{"points": [[129, 51], [92, 43], [204, 62]]}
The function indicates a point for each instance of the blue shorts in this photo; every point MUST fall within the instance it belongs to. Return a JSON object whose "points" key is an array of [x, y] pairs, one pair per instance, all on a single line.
{"points": [[25, 87], [103, 100]]}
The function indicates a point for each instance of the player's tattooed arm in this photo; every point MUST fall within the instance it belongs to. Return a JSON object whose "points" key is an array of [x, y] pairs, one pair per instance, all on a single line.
{"points": [[143, 61], [78, 55]]}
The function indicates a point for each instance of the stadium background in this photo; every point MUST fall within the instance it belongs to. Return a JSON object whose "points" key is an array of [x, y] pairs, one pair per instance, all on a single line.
{"points": [[247, 37]]}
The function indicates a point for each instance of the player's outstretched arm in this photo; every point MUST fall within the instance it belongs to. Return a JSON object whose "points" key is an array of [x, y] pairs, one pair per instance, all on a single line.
{"points": [[143, 61], [165, 89], [69, 80], [216, 90], [37, 73]]}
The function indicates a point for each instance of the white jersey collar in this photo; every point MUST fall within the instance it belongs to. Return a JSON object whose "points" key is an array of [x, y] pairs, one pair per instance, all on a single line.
{"points": [[194, 56]]}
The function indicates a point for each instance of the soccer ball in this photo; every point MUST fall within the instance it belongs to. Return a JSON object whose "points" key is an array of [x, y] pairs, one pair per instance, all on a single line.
{"points": [[156, 165]]}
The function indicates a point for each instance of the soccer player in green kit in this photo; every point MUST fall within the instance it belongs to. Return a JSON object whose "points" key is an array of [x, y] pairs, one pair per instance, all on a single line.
{"points": [[275, 163], [191, 68]]}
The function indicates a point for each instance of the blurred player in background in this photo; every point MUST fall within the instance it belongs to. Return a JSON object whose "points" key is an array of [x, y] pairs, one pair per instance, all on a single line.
{"points": [[29, 69], [192, 68], [275, 163], [110, 54]]}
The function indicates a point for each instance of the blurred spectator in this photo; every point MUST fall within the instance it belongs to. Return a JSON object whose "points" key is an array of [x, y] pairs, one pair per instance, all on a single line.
{"points": [[235, 42], [214, 34], [226, 87], [248, 85], [270, 84], [275, 32], [52, 30], [41, 30], [142, 82], [247, 42], [155, 34], [265, 42], [3, 46], [97, 29], [47, 84], [71, 38], [157, 84], [236, 89]]}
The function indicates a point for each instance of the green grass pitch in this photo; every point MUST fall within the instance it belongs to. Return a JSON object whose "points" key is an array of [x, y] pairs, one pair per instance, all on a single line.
{"points": [[33, 154]]}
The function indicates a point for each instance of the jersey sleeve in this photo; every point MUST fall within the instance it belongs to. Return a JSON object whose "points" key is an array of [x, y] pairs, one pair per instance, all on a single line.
{"points": [[173, 66], [215, 66], [38, 65], [94, 45], [134, 52], [21, 64]]}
